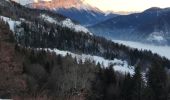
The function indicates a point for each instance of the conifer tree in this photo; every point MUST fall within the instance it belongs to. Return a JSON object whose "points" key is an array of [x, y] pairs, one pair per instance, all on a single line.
{"points": [[157, 81], [137, 85]]}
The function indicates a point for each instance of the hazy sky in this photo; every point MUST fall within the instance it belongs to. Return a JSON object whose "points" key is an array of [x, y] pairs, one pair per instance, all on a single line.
{"points": [[128, 5]]}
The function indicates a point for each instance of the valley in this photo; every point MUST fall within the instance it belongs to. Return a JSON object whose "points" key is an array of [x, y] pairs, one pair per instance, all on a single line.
{"points": [[163, 51], [150, 26]]}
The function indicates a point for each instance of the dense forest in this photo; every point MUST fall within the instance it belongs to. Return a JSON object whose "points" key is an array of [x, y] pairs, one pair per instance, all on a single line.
{"points": [[37, 74], [46, 35], [38, 33], [28, 73]]}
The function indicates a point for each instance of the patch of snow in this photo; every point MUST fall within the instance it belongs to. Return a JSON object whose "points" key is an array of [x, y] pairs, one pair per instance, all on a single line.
{"points": [[23, 2], [7, 0], [12, 23], [83, 7], [93, 14], [144, 77], [78, 28], [22, 19], [156, 36], [163, 51], [48, 18], [107, 13], [5, 99], [119, 65], [66, 23]]}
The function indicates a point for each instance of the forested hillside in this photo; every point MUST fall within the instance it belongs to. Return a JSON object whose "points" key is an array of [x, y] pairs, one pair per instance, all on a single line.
{"points": [[38, 32], [38, 74], [30, 70]]}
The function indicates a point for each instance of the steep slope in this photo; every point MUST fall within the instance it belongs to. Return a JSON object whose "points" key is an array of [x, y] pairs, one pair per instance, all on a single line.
{"points": [[86, 17], [151, 26], [75, 9], [26, 72], [24, 2], [27, 14], [48, 30], [11, 80], [53, 4]]}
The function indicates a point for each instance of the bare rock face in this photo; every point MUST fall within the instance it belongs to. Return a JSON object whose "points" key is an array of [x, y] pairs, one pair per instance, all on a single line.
{"points": [[51, 4], [56, 4]]}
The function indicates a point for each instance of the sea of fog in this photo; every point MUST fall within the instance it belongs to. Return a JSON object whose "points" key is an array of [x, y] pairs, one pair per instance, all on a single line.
{"points": [[161, 50]]}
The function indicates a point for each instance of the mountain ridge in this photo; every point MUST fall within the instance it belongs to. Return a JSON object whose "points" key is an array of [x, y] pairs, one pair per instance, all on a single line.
{"points": [[138, 26], [76, 10]]}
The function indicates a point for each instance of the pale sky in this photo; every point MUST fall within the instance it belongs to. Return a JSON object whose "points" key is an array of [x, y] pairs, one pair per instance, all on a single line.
{"points": [[128, 5]]}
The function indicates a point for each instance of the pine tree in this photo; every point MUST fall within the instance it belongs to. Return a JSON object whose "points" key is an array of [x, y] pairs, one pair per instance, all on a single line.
{"points": [[97, 86], [110, 77], [137, 85], [157, 81]]}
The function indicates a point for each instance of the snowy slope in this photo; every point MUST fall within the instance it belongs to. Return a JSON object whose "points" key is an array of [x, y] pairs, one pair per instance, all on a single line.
{"points": [[66, 23], [78, 28], [23, 2], [11, 22], [119, 65], [157, 37], [48, 18], [161, 50], [85, 17]]}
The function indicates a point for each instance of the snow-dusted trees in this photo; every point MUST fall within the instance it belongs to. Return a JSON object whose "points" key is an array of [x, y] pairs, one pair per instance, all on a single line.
{"points": [[47, 35]]}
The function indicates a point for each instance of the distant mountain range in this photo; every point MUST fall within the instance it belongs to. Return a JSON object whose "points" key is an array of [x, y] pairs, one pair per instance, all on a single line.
{"points": [[84, 16], [152, 25], [76, 10]]}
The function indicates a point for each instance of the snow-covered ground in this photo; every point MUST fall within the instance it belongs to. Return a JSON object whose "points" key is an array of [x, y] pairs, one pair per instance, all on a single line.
{"points": [[23, 2], [157, 37], [119, 65], [11, 22], [66, 23], [163, 51], [48, 18], [78, 28]]}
